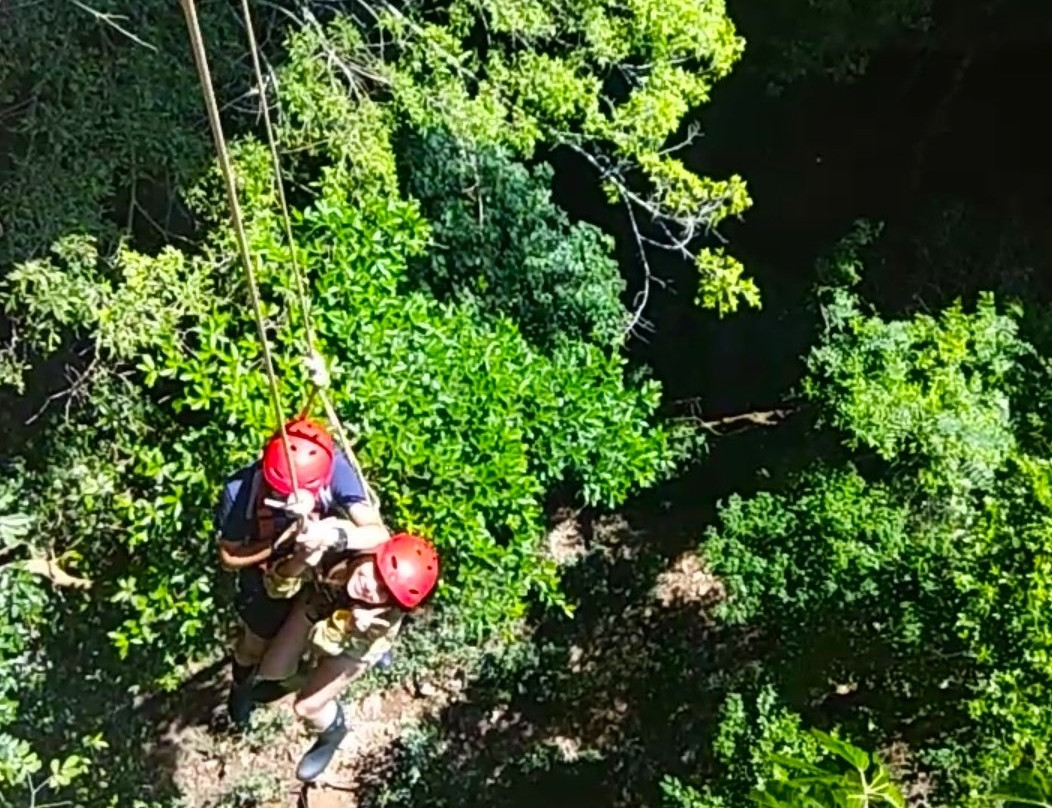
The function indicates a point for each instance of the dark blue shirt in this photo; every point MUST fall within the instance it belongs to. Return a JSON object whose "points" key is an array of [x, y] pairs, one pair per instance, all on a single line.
{"points": [[235, 517]]}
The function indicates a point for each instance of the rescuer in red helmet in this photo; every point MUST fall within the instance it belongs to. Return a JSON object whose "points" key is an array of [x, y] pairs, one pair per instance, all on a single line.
{"points": [[258, 504], [348, 617]]}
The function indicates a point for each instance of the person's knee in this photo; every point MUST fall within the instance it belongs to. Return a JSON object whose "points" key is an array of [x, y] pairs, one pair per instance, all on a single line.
{"points": [[250, 648], [309, 707], [277, 671]]}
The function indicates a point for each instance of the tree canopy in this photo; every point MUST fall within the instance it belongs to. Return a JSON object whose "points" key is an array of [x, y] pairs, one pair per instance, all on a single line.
{"points": [[862, 620]]}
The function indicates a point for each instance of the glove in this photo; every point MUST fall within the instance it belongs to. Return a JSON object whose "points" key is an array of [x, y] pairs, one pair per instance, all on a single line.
{"points": [[323, 534], [312, 558], [316, 370], [300, 504]]}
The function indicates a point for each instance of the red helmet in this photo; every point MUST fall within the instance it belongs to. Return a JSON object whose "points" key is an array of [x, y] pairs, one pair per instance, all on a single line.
{"points": [[311, 448], [408, 566]]}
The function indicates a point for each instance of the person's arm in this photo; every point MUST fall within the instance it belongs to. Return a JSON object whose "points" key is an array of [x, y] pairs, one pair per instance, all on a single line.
{"points": [[285, 579], [363, 634], [364, 529], [237, 547], [295, 565], [235, 555]]}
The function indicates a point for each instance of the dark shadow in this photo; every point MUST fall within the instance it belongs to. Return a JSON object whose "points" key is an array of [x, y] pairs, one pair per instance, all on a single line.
{"points": [[940, 139]]}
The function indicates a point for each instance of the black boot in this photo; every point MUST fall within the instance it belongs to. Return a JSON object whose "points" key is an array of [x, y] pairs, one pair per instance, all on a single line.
{"points": [[318, 756], [239, 702]]}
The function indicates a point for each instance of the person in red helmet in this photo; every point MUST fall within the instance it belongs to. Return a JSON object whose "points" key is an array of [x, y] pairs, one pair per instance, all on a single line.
{"points": [[348, 619], [257, 506]]}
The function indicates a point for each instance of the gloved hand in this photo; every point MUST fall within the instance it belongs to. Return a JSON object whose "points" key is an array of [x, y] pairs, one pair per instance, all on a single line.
{"points": [[299, 504], [310, 557], [324, 534], [316, 370], [316, 535]]}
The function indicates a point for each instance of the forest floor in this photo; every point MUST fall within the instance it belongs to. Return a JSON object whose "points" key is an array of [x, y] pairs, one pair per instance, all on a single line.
{"points": [[213, 768]]}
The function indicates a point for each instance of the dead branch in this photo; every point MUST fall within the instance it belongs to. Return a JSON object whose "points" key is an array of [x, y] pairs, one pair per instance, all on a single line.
{"points": [[48, 568], [112, 21], [732, 424], [77, 383]]}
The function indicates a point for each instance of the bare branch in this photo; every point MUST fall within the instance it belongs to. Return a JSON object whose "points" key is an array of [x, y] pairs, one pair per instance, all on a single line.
{"points": [[77, 384], [693, 133], [49, 568], [740, 422], [644, 295], [111, 21]]}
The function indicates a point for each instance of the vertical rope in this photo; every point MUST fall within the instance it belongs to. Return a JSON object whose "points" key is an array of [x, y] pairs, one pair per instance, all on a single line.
{"points": [[276, 159], [345, 445], [205, 76], [330, 411]]}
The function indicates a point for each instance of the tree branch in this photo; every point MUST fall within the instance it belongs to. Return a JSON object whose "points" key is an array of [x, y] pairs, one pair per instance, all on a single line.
{"points": [[48, 568], [111, 20], [739, 422]]}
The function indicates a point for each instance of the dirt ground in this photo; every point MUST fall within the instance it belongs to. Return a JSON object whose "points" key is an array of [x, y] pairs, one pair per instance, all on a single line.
{"points": [[214, 768]]}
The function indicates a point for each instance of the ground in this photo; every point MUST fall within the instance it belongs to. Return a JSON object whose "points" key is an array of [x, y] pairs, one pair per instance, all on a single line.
{"points": [[213, 768]]}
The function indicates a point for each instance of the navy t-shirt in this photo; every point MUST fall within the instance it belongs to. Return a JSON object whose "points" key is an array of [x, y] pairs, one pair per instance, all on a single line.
{"points": [[235, 518]]}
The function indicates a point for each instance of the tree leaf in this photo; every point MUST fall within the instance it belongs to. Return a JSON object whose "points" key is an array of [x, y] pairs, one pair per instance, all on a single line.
{"points": [[852, 754]]}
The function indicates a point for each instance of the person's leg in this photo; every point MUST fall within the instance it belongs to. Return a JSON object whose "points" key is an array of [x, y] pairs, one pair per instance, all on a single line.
{"points": [[282, 656], [249, 648], [262, 618], [317, 704], [248, 651], [277, 674]]}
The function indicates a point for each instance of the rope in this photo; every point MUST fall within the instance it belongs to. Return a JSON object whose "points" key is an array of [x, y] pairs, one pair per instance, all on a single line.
{"points": [[203, 73], [304, 303], [272, 142], [345, 445]]}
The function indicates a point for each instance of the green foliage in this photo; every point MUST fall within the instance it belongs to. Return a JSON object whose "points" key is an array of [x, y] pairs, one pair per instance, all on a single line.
{"points": [[721, 285], [1026, 787], [920, 574], [755, 729], [816, 548], [464, 424], [757, 739], [501, 242], [494, 96], [251, 791], [677, 794], [126, 303], [930, 388], [864, 783], [91, 115], [544, 77], [119, 269]]}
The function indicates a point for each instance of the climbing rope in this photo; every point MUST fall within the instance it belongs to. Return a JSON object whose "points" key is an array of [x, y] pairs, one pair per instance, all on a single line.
{"points": [[300, 287], [274, 156], [304, 302], [227, 169]]}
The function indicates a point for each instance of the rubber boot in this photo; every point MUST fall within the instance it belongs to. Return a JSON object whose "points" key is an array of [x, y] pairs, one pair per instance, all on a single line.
{"points": [[320, 754], [239, 702]]}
